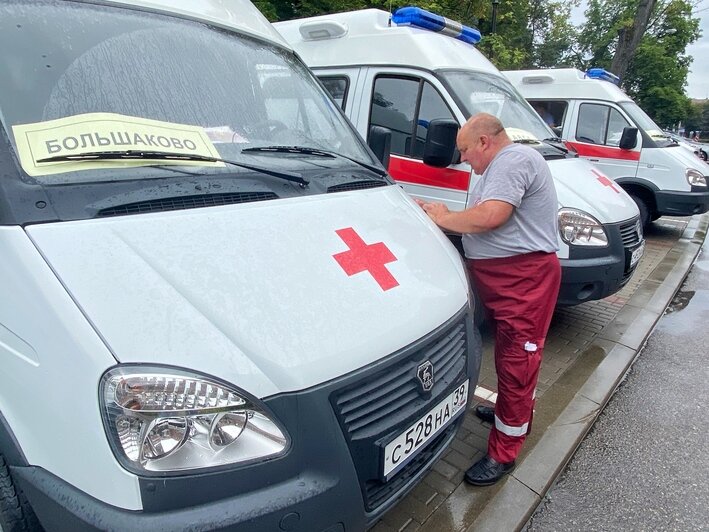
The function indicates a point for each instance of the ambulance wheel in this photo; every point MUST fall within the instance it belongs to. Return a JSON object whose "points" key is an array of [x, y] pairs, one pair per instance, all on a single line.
{"points": [[645, 218], [16, 514]]}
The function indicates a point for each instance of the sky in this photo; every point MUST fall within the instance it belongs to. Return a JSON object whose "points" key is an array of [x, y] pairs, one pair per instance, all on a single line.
{"points": [[698, 78]]}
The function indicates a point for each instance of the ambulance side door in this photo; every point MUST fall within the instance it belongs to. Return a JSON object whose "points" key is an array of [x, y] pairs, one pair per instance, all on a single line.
{"points": [[405, 101], [595, 131]]}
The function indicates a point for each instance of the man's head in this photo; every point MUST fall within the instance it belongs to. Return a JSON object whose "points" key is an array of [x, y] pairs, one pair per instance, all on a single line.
{"points": [[480, 139]]}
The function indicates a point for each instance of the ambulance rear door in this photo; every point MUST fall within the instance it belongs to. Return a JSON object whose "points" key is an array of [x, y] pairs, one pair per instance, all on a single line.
{"points": [[405, 101], [594, 131]]}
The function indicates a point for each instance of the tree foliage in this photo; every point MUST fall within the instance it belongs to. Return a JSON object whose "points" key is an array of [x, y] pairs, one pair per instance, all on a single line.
{"points": [[698, 118], [656, 71]]}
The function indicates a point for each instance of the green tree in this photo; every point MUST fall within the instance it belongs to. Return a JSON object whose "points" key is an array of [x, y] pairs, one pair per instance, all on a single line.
{"points": [[657, 70], [553, 35], [657, 75], [694, 117]]}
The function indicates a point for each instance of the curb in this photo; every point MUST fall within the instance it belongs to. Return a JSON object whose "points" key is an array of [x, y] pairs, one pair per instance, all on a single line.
{"points": [[512, 506]]}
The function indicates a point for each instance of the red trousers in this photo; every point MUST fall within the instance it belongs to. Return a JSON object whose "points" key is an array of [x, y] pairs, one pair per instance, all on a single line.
{"points": [[519, 294]]}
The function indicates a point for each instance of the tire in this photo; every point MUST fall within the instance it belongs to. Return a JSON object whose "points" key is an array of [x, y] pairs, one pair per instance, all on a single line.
{"points": [[645, 216], [16, 514]]}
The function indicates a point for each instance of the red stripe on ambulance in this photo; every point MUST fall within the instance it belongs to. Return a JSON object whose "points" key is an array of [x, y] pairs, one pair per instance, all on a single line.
{"points": [[606, 152], [415, 172]]}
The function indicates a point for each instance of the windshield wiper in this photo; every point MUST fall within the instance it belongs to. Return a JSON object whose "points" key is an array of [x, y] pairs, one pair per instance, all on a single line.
{"points": [[166, 156], [556, 142], [526, 141], [317, 152]]}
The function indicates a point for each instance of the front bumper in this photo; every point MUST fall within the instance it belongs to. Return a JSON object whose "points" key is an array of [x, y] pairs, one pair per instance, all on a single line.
{"points": [[675, 203], [594, 273], [330, 478]]}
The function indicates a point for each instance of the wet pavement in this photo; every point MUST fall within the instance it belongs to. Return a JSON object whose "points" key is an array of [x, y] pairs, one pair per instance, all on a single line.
{"points": [[644, 465], [587, 352]]}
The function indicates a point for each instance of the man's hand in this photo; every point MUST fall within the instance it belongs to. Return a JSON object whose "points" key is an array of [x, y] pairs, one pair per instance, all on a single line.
{"points": [[435, 211], [483, 217]]}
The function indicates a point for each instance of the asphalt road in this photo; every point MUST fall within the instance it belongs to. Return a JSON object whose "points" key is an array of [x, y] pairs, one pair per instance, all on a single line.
{"points": [[645, 465]]}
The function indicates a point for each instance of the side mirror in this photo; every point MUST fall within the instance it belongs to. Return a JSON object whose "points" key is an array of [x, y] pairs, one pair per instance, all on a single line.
{"points": [[440, 142], [557, 131], [629, 138], [379, 142]]}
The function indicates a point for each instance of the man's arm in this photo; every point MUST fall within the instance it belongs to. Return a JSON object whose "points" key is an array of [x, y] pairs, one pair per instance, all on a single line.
{"points": [[483, 217]]}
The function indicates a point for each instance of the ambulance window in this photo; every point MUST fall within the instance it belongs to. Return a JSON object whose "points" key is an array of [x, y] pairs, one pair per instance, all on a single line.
{"points": [[294, 113], [432, 106], [616, 123], [555, 111], [592, 123], [337, 87], [394, 107], [600, 124]]}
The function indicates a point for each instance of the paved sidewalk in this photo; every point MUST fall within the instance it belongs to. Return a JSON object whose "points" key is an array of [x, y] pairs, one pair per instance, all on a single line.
{"points": [[589, 349]]}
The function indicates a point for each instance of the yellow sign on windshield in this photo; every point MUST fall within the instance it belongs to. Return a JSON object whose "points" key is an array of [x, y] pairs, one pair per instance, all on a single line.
{"points": [[106, 132], [519, 134]]}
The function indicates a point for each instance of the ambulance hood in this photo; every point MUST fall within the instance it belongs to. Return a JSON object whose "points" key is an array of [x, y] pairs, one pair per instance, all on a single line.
{"points": [[580, 185], [685, 157], [254, 293]]}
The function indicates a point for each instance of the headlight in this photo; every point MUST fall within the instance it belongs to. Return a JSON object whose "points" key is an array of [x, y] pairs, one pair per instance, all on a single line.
{"points": [[168, 420], [578, 228], [695, 178]]}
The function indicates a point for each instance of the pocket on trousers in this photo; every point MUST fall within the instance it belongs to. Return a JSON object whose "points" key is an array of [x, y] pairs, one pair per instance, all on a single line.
{"points": [[521, 363]]}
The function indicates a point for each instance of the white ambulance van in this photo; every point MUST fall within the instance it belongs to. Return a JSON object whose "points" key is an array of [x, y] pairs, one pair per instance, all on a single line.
{"points": [[416, 73], [216, 311], [598, 120]]}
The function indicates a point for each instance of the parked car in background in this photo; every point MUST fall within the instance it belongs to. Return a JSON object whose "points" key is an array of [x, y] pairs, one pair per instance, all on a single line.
{"points": [[697, 148]]}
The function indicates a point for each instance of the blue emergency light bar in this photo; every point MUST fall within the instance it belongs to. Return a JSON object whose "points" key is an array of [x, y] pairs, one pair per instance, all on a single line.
{"points": [[600, 73], [415, 16]]}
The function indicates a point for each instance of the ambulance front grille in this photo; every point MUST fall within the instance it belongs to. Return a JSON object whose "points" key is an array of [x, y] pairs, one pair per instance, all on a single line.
{"points": [[186, 202], [375, 409], [369, 407], [629, 233]]}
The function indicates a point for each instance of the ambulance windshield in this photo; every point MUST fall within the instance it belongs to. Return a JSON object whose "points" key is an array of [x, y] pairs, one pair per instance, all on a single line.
{"points": [[644, 122], [116, 79], [479, 92]]}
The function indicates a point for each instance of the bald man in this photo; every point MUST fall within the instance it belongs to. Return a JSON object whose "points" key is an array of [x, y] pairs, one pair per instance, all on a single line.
{"points": [[510, 241]]}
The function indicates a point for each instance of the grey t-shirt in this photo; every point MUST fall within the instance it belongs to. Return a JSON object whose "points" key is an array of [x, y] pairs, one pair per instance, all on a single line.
{"points": [[518, 175]]}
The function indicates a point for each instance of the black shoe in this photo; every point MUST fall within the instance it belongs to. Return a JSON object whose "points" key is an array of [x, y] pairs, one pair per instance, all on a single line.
{"points": [[487, 471], [486, 413]]}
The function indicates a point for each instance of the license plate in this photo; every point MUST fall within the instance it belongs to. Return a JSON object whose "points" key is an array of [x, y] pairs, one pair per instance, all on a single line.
{"points": [[637, 254], [406, 445]]}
